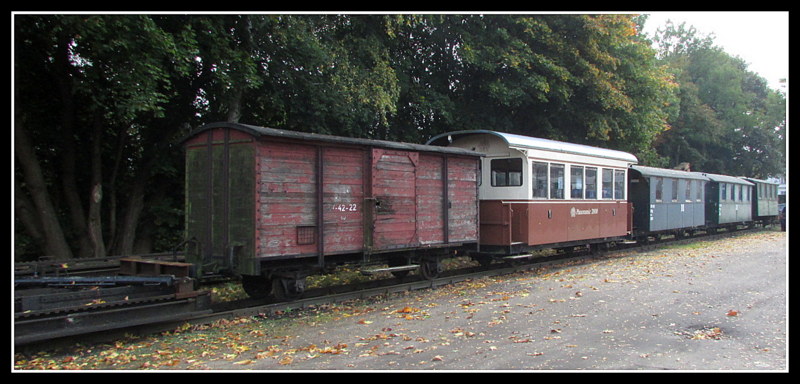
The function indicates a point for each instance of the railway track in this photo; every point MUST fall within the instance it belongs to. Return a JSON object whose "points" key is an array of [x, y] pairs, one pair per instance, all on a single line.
{"points": [[45, 310]]}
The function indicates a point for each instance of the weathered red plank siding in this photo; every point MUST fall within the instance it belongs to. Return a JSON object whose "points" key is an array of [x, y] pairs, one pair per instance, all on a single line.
{"points": [[286, 198], [430, 196], [394, 189], [462, 180], [343, 205]]}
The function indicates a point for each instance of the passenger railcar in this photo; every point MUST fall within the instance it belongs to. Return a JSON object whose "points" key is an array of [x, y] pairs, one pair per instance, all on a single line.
{"points": [[537, 193], [764, 200], [666, 201], [729, 201], [274, 206]]}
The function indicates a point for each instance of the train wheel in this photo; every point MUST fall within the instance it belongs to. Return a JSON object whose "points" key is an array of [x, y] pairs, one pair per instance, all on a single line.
{"points": [[257, 287], [287, 288], [430, 269], [484, 261]]}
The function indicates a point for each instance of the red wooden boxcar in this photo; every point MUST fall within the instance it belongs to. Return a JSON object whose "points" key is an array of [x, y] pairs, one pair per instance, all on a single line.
{"points": [[539, 193], [273, 206]]}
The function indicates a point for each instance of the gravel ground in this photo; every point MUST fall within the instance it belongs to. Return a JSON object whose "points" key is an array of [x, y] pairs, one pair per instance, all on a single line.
{"points": [[718, 305]]}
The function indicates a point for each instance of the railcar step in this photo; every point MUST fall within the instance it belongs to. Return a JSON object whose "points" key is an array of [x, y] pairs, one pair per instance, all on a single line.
{"points": [[370, 272], [516, 257]]}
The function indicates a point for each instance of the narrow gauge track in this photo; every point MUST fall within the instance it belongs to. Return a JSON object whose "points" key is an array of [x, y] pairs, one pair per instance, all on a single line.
{"points": [[163, 306]]}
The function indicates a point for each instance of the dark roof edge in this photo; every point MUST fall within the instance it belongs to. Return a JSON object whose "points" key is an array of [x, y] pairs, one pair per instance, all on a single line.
{"points": [[281, 133]]}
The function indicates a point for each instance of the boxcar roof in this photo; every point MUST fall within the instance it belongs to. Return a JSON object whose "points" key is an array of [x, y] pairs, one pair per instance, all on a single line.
{"points": [[674, 173], [294, 135], [520, 141]]}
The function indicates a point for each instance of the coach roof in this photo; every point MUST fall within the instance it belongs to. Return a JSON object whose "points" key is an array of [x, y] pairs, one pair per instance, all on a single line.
{"points": [[519, 141]]}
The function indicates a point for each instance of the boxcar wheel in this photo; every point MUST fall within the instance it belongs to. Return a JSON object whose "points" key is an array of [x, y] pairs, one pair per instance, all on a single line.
{"points": [[288, 289], [430, 269], [257, 287]]}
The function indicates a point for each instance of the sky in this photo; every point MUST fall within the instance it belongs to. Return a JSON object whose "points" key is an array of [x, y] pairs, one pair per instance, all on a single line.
{"points": [[761, 39]]}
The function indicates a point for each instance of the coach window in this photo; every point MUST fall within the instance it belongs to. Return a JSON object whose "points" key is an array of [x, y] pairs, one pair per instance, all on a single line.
{"points": [[674, 190], [539, 177], [688, 193], [659, 182], [556, 181], [619, 184], [723, 191], [575, 182], [608, 183], [700, 187], [506, 172], [591, 183]]}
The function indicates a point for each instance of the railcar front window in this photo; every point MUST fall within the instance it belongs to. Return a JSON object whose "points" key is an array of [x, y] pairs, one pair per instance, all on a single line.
{"points": [[506, 172]]}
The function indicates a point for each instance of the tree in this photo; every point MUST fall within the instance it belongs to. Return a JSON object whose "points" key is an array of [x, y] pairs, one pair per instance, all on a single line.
{"points": [[101, 74], [730, 122]]}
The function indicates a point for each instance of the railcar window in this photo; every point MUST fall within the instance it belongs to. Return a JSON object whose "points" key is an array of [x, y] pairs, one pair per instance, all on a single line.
{"points": [[688, 192], [539, 180], [576, 182], [556, 181], [608, 183], [674, 190], [741, 192], [619, 185], [506, 172], [733, 191], [659, 188], [591, 183], [723, 191], [700, 187]]}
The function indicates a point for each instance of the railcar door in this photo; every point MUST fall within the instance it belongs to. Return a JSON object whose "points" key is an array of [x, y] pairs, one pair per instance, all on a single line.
{"points": [[393, 187], [220, 201]]}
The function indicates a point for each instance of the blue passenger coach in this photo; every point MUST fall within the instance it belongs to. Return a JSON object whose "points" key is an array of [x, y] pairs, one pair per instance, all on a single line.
{"points": [[729, 201], [666, 200]]}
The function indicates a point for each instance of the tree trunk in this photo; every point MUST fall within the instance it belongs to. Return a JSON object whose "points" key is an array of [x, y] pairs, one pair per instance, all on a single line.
{"points": [[96, 198], [55, 244], [133, 211]]}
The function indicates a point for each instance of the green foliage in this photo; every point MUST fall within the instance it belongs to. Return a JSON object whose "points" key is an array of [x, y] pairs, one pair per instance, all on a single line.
{"points": [[729, 121]]}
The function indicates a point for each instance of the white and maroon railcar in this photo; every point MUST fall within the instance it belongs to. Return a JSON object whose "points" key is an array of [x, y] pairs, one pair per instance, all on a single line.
{"points": [[537, 193]]}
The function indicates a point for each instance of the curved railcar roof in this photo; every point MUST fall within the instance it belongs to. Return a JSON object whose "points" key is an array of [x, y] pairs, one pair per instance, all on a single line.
{"points": [[280, 133], [727, 179], [673, 173], [520, 141]]}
